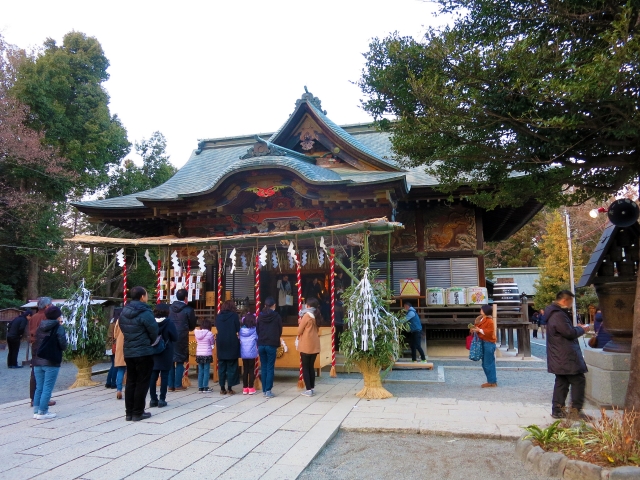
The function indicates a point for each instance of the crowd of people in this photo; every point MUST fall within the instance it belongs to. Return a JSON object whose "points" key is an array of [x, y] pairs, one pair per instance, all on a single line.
{"points": [[148, 348]]}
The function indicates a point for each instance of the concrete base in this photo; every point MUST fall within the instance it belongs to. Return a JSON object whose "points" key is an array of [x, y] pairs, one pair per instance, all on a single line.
{"points": [[607, 378]]}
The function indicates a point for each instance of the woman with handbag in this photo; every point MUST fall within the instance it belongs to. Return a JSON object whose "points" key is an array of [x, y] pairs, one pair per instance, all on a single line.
{"points": [[486, 331], [50, 342]]}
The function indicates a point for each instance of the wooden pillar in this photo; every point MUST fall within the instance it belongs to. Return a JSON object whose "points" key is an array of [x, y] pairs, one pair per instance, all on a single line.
{"points": [[388, 261], [90, 261], [510, 339]]}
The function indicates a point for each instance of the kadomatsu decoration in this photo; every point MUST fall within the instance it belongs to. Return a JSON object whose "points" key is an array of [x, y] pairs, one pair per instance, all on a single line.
{"points": [[372, 338], [85, 335]]}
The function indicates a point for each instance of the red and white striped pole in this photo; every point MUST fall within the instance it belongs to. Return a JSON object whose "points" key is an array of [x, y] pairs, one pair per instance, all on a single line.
{"points": [[257, 285], [124, 282], [219, 305], [159, 284], [257, 363], [332, 272], [188, 282], [299, 279]]}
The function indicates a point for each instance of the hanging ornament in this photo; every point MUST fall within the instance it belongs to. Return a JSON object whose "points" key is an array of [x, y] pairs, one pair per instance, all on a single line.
{"points": [[75, 317], [243, 259], [146, 255], [233, 260], [120, 257], [274, 259], [305, 256], [201, 264], [263, 256], [292, 252], [322, 253], [174, 261], [291, 260]]}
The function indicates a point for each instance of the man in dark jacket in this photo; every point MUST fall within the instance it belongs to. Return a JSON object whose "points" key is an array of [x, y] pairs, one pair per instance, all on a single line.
{"points": [[14, 335], [184, 318], [140, 330], [269, 329], [564, 357], [415, 332]]}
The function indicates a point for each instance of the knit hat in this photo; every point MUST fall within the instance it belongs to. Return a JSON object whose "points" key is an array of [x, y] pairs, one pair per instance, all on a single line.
{"points": [[53, 313]]}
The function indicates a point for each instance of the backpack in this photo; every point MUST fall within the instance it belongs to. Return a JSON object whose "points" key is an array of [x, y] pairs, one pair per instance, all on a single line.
{"points": [[50, 348]]}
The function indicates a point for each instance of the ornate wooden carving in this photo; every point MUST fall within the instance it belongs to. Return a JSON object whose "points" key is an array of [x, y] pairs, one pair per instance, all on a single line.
{"points": [[449, 228]]}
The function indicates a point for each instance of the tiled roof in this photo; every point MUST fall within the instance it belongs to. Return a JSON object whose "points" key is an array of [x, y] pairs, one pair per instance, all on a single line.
{"points": [[353, 141]]}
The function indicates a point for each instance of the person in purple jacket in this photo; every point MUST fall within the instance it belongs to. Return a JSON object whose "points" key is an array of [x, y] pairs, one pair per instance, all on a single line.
{"points": [[248, 352]]}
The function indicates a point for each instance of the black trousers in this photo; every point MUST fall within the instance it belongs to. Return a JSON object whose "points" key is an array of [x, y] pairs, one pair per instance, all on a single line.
{"points": [[415, 339], [535, 330], [308, 372], [248, 372], [138, 378], [577, 383], [14, 348], [32, 384], [164, 377], [228, 373]]}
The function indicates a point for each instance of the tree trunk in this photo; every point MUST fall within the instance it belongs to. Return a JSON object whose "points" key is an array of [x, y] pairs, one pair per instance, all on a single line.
{"points": [[632, 401], [32, 278]]}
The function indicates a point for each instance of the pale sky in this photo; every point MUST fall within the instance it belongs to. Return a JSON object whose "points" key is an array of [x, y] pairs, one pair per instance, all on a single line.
{"points": [[196, 69]]}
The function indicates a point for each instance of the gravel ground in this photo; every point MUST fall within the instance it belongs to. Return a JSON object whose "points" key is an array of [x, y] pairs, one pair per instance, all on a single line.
{"points": [[15, 382], [353, 455]]}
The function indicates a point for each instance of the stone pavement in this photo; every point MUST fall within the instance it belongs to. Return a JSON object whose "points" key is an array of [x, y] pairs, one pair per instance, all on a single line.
{"points": [[446, 416], [196, 436], [209, 435]]}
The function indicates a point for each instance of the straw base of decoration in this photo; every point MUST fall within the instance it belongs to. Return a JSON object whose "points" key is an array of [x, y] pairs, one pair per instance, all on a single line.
{"points": [[373, 388], [333, 373], [300, 383], [83, 377], [257, 384], [186, 382]]}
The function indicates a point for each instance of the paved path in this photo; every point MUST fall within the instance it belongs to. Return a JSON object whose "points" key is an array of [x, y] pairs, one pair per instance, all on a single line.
{"points": [[196, 436], [211, 436]]}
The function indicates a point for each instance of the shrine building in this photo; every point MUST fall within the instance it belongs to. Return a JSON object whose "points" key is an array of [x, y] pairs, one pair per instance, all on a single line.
{"points": [[310, 174]]}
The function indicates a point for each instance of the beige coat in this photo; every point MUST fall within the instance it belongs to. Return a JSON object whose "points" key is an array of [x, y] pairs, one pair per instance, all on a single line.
{"points": [[119, 337], [308, 338]]}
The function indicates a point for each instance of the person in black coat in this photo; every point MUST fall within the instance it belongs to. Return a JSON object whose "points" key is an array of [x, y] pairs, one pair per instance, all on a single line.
{"points": [[163, 361], [564, 357], [185, 321], [228, 345], [269, 329], [14, 335], [140, 331]]}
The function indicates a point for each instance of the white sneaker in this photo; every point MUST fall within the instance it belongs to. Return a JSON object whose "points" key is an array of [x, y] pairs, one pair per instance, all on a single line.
{"points": [[307, 393], [46, 416], [35, 415]]}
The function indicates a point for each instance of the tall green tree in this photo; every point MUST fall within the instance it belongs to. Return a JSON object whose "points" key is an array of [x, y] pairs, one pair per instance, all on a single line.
{"points": [[518, 99], [63, 87], [527, 97], [155, 170]]}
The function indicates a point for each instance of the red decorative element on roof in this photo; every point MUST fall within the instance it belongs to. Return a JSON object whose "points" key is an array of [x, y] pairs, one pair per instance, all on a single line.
{"points": [[266, 192]]}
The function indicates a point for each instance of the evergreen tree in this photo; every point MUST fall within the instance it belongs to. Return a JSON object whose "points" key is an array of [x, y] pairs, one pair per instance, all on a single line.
{"points": [[156, 168]]}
